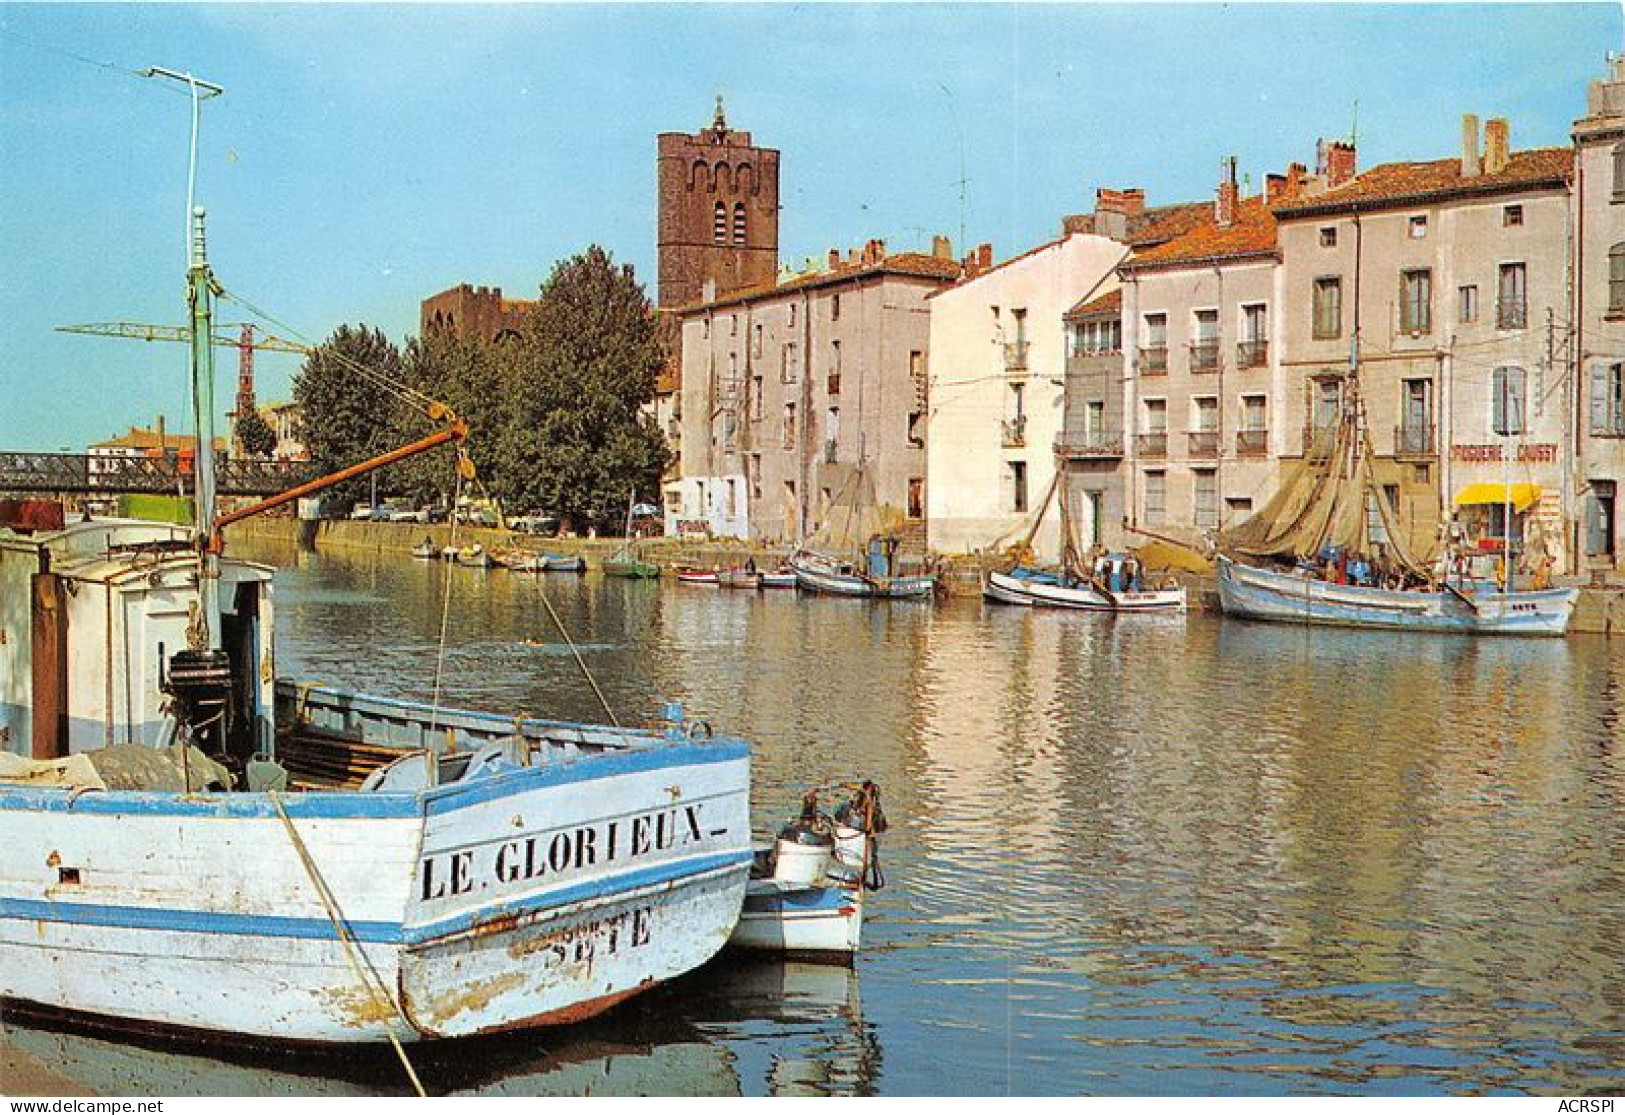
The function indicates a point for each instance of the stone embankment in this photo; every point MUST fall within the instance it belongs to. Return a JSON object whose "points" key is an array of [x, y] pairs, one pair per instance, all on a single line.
{"points": [[1601, 610]]}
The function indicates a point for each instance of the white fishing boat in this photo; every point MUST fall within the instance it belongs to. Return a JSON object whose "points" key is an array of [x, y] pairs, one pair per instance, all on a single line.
{"points": [[164, 868], [1300, 596], [1116, 585], [806, 895], [823, 573], [426, 550], [1328, 550]]}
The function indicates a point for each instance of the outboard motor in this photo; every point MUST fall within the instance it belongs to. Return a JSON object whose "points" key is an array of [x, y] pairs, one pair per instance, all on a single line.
{"points": [[200, 683], [805, 847], [858, 824]]}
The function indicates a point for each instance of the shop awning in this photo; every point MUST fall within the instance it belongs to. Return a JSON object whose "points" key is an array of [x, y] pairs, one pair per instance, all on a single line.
{"points": [[1523, 496]]}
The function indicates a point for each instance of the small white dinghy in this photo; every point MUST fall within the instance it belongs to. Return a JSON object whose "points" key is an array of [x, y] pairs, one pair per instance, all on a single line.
{"points": [[805, 896]]}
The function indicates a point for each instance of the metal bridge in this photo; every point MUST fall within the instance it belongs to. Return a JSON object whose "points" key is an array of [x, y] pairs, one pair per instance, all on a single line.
{"points": [[82, 473]]}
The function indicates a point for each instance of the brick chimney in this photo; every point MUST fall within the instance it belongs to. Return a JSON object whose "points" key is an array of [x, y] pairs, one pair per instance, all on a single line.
{"points": [[834, 258], [874, 251], [979, 260], [1283, 187], [1224, 206], [1469, 145], [1338, 163], [1074, 224], [1497, 145], [942, 248], [1130, 203]]}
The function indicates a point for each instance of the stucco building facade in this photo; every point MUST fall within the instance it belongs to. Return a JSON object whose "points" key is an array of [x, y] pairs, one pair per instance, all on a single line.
{"points": [[788, 389]]}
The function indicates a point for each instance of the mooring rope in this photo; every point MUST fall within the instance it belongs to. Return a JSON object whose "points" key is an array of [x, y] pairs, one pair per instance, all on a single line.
{"points": [[373, 987], [580, 661], [445, 593]]}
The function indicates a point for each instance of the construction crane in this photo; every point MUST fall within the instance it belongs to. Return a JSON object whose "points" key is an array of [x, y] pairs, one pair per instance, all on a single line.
{"points": [[238, 336]]}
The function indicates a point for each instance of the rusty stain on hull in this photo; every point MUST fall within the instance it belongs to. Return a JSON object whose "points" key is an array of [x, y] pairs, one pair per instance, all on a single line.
{"points": [[357, 1007]]}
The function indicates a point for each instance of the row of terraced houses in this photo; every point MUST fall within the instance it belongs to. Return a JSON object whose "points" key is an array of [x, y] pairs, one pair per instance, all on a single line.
{"points": [[1157, 367]]}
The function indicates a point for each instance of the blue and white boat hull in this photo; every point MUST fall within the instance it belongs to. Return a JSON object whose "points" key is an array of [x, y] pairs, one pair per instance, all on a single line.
{"points": [[530, 896], [1262, 594]]}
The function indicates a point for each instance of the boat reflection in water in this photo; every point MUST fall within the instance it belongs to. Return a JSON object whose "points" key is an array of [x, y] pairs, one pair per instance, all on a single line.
{"points": [[756, 1027]]}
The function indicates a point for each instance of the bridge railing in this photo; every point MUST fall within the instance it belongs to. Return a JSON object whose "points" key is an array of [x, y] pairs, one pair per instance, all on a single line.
{"points": [[168, 473]]}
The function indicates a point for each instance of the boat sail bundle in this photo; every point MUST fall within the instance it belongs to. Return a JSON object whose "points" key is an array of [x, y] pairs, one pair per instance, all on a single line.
{"points": [[1327, 549], [1093, 582], [857, 524], [373, 868]]}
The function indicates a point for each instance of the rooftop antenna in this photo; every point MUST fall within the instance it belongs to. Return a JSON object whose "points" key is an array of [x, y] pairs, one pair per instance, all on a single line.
{"points": [[953, 107], [1354, 128]]}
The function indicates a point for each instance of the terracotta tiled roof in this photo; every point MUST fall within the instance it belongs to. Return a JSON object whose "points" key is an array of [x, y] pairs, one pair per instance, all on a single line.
{"points": [[1251, 234], [914, 264], [141, 438], [1107, 305], [1408, 183], [1165, 222]]}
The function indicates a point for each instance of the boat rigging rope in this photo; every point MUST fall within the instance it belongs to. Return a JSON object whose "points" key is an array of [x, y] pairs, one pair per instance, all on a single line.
{"points": [[580, 661], [374, 986], [405, 392], [445, 591]]}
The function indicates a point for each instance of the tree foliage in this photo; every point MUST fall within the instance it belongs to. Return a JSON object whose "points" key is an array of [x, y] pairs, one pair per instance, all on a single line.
{"points": [[555, 415], [577, 441], [255, 435], [345, 414]]}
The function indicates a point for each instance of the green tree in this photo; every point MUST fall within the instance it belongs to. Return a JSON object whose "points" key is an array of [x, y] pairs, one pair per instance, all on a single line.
{"points": [[573, 435], [347, 410], [255, 435]]}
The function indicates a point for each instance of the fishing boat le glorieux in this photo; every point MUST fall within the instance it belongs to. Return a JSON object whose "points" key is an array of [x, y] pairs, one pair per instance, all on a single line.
{"points": [[163, 867]]}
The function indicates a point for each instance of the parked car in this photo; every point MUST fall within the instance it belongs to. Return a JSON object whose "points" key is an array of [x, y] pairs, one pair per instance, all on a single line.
{"points": [[535, 522], [406, 515], [363, 512]]}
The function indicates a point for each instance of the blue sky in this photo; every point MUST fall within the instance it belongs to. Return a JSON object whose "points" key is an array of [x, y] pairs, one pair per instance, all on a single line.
{"points": [[364, 156]]}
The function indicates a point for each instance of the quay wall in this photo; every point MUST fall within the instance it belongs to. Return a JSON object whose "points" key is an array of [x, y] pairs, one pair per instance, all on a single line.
{"points": [[1601, 610]]}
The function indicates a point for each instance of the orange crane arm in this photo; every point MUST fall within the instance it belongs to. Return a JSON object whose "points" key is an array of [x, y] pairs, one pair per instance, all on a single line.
{"points": [[457, 430]]}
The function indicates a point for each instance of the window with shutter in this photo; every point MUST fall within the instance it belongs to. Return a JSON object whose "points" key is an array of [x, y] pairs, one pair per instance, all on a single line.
{"points": [[1508, 401]]}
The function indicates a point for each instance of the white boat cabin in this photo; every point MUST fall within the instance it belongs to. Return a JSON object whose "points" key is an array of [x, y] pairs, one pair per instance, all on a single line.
{"points": [[90, 617]]}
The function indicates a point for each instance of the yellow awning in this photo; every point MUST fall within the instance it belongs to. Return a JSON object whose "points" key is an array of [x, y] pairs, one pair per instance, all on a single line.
{"points": [[1524, 496]]}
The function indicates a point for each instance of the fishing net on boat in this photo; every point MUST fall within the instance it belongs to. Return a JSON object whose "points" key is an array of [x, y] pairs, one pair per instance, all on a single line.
{"points": [[854, 516], [1329, 499]]}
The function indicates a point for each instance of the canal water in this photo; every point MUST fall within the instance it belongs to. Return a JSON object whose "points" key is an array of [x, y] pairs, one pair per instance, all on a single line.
{"points": [[1148, 855]]}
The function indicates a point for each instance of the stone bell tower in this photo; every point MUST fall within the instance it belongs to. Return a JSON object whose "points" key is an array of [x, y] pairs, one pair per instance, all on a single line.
{"points": [[718, 212]]}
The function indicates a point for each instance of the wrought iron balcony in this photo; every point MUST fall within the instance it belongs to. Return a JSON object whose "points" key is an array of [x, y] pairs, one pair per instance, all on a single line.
{"points": [[829, 451], [1252, 354], [1014, 431], [1153, 360], [1202, 444], [1252, 443], [1015, 356], [1511, 315], [1606, 427], [1152, 444], [1092, 445], [1204, 357], [1415, 441]]}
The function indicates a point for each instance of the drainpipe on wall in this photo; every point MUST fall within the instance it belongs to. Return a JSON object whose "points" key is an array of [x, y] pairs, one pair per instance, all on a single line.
{"points": [[1574, 383]]}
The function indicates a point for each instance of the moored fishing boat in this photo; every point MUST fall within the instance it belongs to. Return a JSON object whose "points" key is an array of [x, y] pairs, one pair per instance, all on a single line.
{"points": [[1117, 585], [630, 567], [1329, 550], [778, 578], [164, 867], [740, 578], [426, 550], [691, 575], [1255, 592], [825, 574], [476, 557], [806, 894], [564, 563]]}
